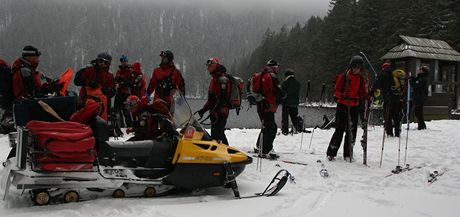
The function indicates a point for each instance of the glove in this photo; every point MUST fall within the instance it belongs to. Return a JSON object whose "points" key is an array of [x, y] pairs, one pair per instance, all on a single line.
{"points": [[55, 86], [93, 84]]}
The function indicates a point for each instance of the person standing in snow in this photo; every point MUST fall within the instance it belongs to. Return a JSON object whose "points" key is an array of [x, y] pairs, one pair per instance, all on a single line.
{"points": [[291, 87], [266, 84], [349, 90], [420, 87], [390, 84], [218, 103], [123, 86], [166, 79]]}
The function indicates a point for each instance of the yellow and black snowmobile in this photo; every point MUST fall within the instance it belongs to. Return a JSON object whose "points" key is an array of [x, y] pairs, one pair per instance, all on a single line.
{"points": [[186, 159]]}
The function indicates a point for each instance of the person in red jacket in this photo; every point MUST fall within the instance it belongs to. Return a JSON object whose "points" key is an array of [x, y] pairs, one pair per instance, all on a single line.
{"points": [[166, 79], [96, 78], [138, 83], [266, 84], [123, 79], [218, 103], [151, 120], [27, 81], [350, 89]]}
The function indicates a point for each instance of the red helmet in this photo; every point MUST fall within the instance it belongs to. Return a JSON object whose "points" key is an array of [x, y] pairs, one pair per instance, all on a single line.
{"points": [[136, 66], [386, 65], [213, 60], [132, 101]]}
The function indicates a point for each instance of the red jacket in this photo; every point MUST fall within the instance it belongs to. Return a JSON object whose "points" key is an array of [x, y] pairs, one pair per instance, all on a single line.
{"points": [[263, 83], [123, 80], [349, 93], [165, 79], [143, 115], [218, 93], [27, 81], [102, 77], [138, 83]]}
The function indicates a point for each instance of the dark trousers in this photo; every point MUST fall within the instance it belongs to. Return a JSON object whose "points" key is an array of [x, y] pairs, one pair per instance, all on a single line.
{"points": [[121, 111], [393, 119], [268, 131], [292, 112], [341, 121], [419, 114], [218, 128]]}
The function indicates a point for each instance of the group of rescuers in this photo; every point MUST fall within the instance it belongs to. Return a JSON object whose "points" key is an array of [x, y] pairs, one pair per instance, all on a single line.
{"points": [[134, 97]]}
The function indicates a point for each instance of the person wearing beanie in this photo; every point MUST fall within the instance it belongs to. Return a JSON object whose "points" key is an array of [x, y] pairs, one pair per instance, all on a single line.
{"points": [[266, 84], [27, 81], [166, 79], [291, 88]]}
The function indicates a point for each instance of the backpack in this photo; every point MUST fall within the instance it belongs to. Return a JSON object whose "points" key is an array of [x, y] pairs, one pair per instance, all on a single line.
{"points": [[253, 90], [236, 92], [398, 78], [6, 79]]}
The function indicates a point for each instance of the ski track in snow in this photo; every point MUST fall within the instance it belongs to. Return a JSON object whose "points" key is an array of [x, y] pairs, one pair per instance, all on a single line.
{"points": [[350, 190]]}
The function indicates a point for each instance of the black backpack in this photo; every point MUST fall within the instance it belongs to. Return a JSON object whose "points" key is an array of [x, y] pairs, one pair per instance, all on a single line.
{"points": [[6, 80]]}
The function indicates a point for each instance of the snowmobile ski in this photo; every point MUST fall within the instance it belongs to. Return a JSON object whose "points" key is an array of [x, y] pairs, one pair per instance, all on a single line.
{"points": [[277, 183]]}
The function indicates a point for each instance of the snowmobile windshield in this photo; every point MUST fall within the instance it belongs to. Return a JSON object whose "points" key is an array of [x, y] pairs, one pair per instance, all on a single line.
{"points": [[183, 115]]}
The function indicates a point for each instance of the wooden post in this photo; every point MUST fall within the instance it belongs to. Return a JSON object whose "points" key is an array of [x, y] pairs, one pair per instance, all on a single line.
{"points": [[323, 90], [308, 92]]}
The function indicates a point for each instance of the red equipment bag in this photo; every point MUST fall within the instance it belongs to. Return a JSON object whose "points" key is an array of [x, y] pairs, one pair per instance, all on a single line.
{"points": [[62, 146]]}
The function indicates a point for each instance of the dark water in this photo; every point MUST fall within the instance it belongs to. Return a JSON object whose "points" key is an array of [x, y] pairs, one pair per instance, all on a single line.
{"points": [[249, 119]]}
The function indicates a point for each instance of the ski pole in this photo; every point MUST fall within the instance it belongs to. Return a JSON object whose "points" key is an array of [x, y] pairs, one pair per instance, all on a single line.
{"points": [[407, 117], [369, 63], [303, 127], [313, 132], [399, 142], [261, 147], [311, 138], [384, 134]]}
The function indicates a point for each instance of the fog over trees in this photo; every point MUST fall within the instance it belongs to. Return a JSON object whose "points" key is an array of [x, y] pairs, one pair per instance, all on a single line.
{"points": [[72, 33]]}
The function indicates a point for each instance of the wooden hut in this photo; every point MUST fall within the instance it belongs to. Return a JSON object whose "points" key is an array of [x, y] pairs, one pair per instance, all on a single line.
{"points": [[444, 63]]}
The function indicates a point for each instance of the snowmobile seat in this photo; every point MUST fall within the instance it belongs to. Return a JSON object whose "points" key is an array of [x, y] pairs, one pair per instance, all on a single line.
{"points": [[147, 153]]}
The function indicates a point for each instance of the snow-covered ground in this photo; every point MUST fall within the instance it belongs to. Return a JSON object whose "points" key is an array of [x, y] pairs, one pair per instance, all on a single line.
{"points": [[351, 189]]}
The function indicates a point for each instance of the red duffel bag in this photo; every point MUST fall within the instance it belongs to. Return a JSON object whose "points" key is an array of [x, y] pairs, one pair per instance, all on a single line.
{"points": [[67, 131], [62, 146]]}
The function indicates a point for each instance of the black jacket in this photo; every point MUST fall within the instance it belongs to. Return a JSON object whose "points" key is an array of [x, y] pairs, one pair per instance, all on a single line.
{"points": [[420, 87], [291, 87]]}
